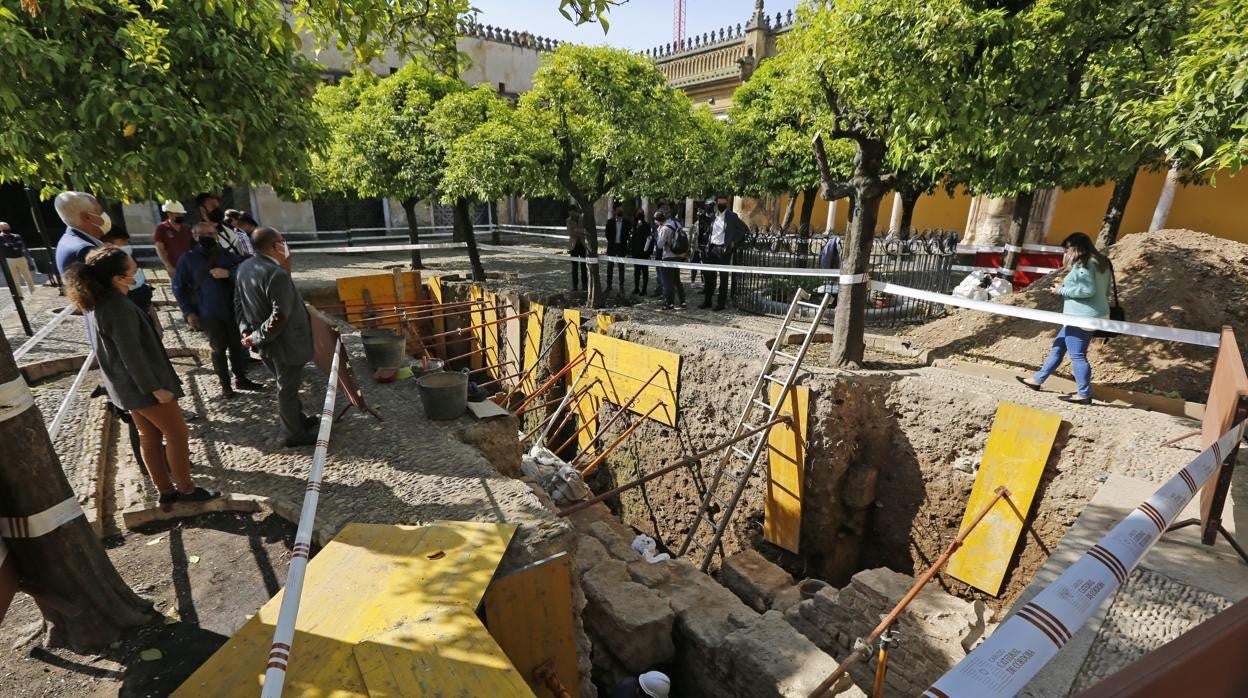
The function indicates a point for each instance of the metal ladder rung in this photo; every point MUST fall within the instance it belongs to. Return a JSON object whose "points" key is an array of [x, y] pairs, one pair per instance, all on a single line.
{"points": [[744, 454], [760, 403], [774, 379], [804, 304], [790, 357]]}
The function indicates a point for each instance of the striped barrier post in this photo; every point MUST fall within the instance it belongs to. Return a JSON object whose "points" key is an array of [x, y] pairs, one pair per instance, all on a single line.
{"points": [[1027, 640], [284, 632]]}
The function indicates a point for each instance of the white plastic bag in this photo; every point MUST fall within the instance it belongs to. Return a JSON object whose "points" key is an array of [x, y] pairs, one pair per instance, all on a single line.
{"points": [[645, 546]]}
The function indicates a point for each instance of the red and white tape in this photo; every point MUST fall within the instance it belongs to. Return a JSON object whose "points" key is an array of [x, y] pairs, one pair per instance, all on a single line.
{"points": [[42, 523], [1032, 636], [284, 632]]}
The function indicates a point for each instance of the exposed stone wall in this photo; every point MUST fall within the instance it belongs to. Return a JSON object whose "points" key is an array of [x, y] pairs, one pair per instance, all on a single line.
{"points": [[934, 633], [669, 616]]}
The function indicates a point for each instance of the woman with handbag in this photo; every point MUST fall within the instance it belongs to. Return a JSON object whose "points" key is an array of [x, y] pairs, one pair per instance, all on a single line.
{"points": [[1086, 293]]}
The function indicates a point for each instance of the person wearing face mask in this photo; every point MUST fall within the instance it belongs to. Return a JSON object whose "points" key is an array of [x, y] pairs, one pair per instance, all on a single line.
{"points": [[85, 220], [617, 232], [727, 231], [272, 318], [640, 247], [136, 371], [16, 255], [204, 287], [141, 292], [244, 226], [210, 211], [172, 236]]}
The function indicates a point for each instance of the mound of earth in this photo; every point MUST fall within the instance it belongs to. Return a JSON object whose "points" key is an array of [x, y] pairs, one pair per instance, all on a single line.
{"points": [[1171, 278]]}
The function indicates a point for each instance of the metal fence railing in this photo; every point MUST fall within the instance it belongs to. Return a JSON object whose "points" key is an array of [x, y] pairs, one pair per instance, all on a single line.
{"points": [[924, 261]]}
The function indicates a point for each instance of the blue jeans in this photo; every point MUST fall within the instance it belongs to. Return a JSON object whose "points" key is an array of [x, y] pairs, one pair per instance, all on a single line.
{"points": [[1074, 340]]}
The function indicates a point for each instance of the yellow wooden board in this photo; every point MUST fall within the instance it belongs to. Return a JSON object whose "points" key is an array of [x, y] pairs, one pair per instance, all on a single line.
{"points": [[489, 335], [475, 317], [572, 339], [1017, 450], [532, 345], [786, 459], [605, 320], [439, 323], [511, 336], [366, 582], [380, 294], [586, 408], [623, 367], [529, 612]]}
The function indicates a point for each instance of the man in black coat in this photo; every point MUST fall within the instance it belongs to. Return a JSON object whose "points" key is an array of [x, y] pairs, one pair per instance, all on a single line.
{"points": [[727, 230], [617, 231]]}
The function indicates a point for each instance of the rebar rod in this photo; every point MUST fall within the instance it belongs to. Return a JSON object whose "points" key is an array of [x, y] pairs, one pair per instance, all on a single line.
{"points": [[603, 429], [614, 444]]}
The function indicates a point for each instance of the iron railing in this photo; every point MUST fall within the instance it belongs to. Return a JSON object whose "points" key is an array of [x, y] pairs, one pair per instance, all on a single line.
{"points": [[924, 261]]}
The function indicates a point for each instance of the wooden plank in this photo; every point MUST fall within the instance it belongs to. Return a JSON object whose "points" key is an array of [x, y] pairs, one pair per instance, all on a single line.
{"points": [[605, 320], [532, 344], [529, 612], [1230, 381], [586, 408], [786, 454], [490, 334], [476, 317], [439, 323], [1017, 450], [512, 336], [370, 579], [623, 368], [380, 290], [486, 409]]}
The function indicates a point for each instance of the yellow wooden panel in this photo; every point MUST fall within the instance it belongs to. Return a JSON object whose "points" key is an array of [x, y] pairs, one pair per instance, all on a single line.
{"points": [[439, 323], [572, 339], [369, 579], [475, 317], [529, 612], [786, 458], [489, 334], [1014, 458], [623, 368], [381, 295], [511, 336], [532, 344], [447, 653], [605, 320]]}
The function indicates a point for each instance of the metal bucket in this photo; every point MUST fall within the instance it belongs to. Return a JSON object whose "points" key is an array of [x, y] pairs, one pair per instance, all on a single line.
{"points": [[420, 368], [384, 348], [444, 395]]}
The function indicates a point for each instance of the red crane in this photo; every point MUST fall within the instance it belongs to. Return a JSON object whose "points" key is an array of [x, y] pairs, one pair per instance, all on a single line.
{"points": [[678, 23]]}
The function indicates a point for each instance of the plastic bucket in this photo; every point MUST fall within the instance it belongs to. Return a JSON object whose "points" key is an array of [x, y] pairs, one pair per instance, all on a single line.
{"points": [[444, 395], [384, 348]]}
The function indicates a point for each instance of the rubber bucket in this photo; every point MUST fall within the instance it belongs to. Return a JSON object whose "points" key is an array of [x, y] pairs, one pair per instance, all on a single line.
{"points": [[444, 395], [384, 349]]}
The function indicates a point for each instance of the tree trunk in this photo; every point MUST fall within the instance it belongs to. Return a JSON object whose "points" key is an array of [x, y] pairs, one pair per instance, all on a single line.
{"points": [[1112, 221], [591, 243], [788, 212], [413, 232], [851, 305], [909, 199], [1166, 200], [84, 601], [463, 227], [808, 208], [1019, 219]]}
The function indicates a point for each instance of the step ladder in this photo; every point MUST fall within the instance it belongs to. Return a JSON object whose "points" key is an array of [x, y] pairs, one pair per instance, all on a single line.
{"points": [[738, 461]]}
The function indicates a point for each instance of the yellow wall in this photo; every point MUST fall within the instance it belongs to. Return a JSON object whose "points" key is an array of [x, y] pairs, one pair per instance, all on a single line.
{"points": [[937, 210]]}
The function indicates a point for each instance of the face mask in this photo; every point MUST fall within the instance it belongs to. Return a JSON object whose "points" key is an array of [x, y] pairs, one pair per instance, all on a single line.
{"points": [[721, 207], [106, 223], [177, 220], [207, 242], [216, 215], [284, 249]]}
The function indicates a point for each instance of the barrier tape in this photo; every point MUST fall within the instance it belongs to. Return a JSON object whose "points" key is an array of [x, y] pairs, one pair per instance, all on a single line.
{"points": [[42, 333], [1012, 248], [516, 231], [1032, 636], [1007, 272], [1170, 334], [63, 410], [42, 523], [389, 248], [15, 398], [284, 632], [965, 249]]}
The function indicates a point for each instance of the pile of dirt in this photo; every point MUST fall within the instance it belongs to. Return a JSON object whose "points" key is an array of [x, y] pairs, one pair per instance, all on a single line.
{"points": [[1171, 278]]}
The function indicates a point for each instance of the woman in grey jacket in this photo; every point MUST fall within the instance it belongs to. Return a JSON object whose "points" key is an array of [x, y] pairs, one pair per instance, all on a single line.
{"points": [[136, 369]]}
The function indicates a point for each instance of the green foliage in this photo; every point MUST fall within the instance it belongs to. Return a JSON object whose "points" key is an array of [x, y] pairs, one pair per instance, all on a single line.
{"points": [[1202, 107], [485, 154], [151, 100], [773, 118], [381, 143]]}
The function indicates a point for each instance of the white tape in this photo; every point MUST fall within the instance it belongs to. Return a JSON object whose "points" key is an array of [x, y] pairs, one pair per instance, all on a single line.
{"points": [[543, 255], [15, 398], [1008, 272], [1032, 636], [1171, 334], [39, 524], [42, 333], [852, 279], [513, 230], [966, 249], [1012, 248], [387, 248], [772, 271]]}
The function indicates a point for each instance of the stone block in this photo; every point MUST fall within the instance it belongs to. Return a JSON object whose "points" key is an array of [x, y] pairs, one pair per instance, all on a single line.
{"points": [[589, 552], [769, 658], [705, 611], [650, 574], [786, 599], [754, 579], [617, 541], [634, 622]]}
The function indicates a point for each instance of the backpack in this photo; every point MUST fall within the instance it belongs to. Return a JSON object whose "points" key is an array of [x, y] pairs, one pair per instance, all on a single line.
{"points": [[680, 245]]}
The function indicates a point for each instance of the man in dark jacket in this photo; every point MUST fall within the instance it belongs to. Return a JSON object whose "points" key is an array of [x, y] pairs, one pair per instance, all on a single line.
{"points": [[204, 287], [727, 231], [272, 317], [616, 232]]}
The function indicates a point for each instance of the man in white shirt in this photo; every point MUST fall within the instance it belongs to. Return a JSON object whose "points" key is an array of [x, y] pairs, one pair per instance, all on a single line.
{"points": [[727, 231]]}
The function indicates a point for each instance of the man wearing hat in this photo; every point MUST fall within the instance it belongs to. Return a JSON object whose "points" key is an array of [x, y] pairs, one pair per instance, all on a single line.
{"points": [[652, 684], [172, 236]]}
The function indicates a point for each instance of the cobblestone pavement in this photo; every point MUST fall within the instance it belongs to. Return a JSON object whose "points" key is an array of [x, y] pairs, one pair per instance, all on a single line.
{"points": [[1149, 611]]}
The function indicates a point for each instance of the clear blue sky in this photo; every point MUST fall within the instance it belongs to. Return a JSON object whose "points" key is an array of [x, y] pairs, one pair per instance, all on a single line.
{"points": [[636, 25]]}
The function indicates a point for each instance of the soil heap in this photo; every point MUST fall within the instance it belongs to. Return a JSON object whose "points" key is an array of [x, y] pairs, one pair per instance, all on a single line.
{"points": [[1171, 278]]}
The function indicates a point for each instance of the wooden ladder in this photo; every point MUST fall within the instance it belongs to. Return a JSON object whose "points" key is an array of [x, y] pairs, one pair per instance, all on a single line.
{"points": [[737, 463]]}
